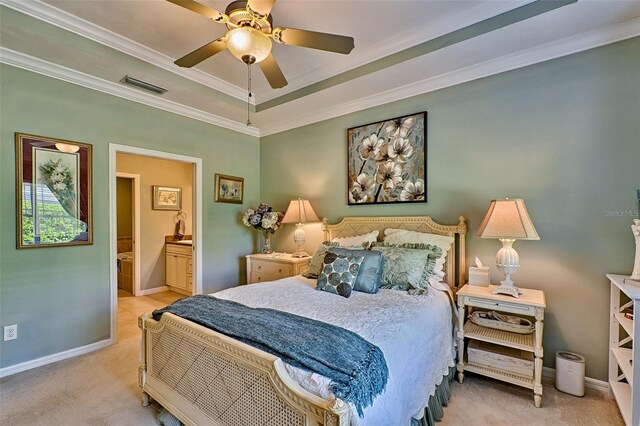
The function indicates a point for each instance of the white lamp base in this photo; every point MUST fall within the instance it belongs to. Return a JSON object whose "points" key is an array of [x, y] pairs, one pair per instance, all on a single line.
{"points": [[508, 262], [511, 290], [299, 238]]}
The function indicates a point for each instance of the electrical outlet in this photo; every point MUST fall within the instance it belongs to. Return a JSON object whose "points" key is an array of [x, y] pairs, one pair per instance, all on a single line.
{"points": [[10, 332]]}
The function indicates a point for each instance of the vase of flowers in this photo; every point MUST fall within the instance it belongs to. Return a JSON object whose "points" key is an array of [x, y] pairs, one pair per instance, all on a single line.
{"points": [[266, 220]]}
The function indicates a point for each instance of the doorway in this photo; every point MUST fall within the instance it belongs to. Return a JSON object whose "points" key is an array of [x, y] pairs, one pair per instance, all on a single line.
{"points": [[128, 231], [140, 187]]}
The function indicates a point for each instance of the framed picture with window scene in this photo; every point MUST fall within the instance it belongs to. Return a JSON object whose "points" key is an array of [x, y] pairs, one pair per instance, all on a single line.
{"points": [[229, 189], [53, 192], [387, 161]]}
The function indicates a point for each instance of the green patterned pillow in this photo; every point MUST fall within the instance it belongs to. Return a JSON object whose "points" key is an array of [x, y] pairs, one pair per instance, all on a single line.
{"points": [[407, 266], [315, 265], [339, 273]]}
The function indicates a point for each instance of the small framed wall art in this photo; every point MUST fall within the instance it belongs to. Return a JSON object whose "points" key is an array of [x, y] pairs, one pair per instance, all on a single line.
{"points": [[53, 192], [229, 189], [167, 198], [387, 161]]}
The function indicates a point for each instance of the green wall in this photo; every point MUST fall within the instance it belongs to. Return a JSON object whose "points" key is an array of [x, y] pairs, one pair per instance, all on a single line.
{"points": [[59, 297], [563, 135]]}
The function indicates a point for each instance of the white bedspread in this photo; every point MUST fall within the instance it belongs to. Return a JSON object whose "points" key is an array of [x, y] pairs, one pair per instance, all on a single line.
{"points": [[413, 332]]}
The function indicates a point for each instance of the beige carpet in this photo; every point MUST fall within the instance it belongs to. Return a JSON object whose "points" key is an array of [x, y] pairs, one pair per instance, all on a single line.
{"points": [[101, 389]]}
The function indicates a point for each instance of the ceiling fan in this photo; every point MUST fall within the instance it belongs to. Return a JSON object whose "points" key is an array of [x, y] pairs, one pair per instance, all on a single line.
{"points": [[249, 37]]}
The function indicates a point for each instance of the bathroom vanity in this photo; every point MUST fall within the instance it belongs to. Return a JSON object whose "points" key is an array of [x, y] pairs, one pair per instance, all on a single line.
{"points": [[179, 265]]}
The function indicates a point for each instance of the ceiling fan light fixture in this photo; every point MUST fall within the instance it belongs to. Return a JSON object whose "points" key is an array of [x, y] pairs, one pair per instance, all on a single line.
{"points": [[248, 44]]}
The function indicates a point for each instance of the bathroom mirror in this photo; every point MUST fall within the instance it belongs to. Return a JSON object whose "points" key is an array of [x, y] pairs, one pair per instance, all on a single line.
{"points": [[53, 192]]}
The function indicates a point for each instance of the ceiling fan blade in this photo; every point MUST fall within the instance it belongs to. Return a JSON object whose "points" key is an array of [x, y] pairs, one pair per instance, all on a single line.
{"points": [[202, 10], [199, 55], [263, 7], [314, 40], [272, 71]]}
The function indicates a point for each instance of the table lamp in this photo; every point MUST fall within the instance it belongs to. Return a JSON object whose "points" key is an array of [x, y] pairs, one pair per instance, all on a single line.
{"points": [[299, 212], [507, 220]]}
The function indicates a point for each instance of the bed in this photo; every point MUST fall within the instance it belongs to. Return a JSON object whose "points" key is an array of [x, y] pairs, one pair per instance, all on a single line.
{"points": [[206, 378]]}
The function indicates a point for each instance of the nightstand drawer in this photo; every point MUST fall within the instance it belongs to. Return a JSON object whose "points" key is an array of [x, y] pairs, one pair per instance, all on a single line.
{"points": [[259, 277], [513, 308], [271, 268]]}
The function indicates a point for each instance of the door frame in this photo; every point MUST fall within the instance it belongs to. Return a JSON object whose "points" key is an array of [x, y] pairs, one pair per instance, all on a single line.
{"points": [[113, 231], [136, 228]]}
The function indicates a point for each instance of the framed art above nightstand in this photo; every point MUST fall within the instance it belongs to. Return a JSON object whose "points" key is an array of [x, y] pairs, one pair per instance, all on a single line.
{"points": [[270, 267]]}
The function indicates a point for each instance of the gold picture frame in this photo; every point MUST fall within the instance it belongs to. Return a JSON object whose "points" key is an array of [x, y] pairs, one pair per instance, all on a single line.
{"points": [[54, 204], [167, 198], [229, 189]]}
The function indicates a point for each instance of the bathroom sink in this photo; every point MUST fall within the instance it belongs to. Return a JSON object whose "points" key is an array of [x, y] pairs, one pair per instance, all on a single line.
{"points": [[185, 242]]}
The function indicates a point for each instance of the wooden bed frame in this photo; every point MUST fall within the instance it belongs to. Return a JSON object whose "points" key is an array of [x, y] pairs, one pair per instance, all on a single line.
{"points": [[206, 378]]}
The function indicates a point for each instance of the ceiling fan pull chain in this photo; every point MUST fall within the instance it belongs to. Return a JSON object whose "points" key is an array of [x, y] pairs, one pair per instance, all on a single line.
{"points": [[248, 94]]}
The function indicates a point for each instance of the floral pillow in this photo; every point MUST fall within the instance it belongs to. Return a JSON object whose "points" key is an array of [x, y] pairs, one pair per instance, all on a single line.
{"points": [[403, 236], [339, 273], [316, 262], [407, 268]]}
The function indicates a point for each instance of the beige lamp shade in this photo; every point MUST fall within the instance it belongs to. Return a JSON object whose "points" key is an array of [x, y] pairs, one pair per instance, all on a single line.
{"points": [[300, 211], [507, 219]]}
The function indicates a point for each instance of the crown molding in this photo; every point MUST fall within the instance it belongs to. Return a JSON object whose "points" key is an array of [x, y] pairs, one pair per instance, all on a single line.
{"points": [[49, 69], [86, 29], [396, 43], [563, 47]]}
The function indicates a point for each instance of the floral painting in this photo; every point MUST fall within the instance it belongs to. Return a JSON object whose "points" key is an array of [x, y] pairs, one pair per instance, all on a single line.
{"points": [[53, 192], [386, 161]]}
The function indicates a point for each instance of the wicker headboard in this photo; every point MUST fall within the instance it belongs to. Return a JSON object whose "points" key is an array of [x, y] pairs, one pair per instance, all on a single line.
{"points": [[455, 264]]}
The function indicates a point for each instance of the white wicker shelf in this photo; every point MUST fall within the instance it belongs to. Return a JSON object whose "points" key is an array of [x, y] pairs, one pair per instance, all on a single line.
{"points": [[531, 303], [495, 373], [624, 362], [525, 342]]}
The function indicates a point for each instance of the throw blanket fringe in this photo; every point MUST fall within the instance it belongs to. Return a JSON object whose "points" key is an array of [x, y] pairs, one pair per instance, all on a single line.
{"points": [[357, 369]]}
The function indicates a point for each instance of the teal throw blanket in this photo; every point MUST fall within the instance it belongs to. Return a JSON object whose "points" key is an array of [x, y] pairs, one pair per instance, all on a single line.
{"points": [[357, 369]]}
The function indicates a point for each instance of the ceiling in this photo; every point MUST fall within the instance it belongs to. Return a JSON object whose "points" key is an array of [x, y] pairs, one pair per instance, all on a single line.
{"points": [[403, 48]]}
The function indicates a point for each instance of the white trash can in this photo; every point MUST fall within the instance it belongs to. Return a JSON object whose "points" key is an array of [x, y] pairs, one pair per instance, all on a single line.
{"points": [[570, 373]]}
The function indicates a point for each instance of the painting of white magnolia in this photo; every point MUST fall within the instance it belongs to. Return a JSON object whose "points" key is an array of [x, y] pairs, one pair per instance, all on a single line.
{"points": [[387, 161]]}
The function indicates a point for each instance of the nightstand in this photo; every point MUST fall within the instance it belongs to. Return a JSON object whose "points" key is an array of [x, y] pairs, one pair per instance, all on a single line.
{"points": [[270, 267], [530, 304]]}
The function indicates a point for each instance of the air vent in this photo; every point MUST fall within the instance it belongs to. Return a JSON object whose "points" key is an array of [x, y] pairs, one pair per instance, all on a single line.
{"points": [[143, 85]]}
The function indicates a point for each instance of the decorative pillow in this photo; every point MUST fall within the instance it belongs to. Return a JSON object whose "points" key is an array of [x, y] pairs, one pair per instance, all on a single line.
{"points": [[316, 262], [339, 273], [402, 236], [357, 240], [368, 280], [407, 268]]}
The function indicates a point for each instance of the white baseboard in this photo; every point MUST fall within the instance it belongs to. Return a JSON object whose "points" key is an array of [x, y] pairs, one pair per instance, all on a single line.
{"points": [[153, 290], [28, 365], [589, 383]]}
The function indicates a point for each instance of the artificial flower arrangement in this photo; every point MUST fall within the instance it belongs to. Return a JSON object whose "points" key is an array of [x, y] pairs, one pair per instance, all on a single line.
{"points": [[263, 219]]}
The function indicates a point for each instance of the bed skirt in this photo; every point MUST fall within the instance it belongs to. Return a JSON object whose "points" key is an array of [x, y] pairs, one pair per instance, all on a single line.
{"points": [[434, 411]]}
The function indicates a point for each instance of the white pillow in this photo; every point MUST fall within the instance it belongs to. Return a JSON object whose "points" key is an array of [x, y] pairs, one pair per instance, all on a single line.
{"points": [[402, 236], [357, 240]]}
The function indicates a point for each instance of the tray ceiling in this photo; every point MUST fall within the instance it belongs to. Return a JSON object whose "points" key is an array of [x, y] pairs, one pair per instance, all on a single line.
{"points": [[106, 39]]}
